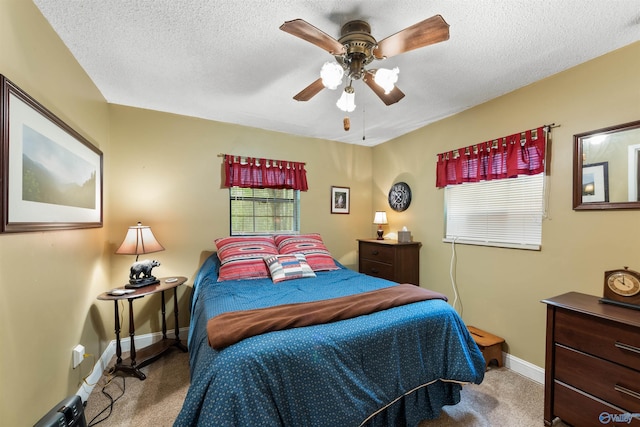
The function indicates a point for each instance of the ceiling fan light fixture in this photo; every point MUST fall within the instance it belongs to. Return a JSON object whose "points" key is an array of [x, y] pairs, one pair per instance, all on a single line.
{"points": [[347, 101], [357, 48], [386, 78], [331, 74]]}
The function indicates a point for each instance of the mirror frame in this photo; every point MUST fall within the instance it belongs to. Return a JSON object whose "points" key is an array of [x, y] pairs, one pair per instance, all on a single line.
{"points": [[577, 170]]}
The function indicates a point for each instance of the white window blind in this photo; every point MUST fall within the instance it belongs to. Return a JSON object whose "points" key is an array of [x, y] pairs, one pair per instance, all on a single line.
{"points": [[503, 212], [264, 211]]}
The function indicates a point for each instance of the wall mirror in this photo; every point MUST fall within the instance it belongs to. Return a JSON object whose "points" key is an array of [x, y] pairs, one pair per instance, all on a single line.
{"points": [[606, 168]]}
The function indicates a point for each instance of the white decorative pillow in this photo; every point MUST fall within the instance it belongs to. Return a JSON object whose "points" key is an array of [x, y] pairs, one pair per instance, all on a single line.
{"points": [[288, 267]]}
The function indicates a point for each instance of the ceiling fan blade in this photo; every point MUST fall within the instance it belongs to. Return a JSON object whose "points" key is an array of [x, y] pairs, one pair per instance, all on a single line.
{"points": [[388, 98], [304, 30], [430, 31], [310, 91]]}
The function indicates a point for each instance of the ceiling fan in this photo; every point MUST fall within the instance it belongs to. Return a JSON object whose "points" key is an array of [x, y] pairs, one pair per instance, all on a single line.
{"points": [[356, 48]]}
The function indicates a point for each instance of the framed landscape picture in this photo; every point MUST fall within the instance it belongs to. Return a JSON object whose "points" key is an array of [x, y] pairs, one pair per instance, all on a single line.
{"points": [[51, 175]]}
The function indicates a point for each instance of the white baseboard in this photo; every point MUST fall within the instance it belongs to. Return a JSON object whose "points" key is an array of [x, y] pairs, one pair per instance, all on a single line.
{"points": [[524, 368], [101, 364]]}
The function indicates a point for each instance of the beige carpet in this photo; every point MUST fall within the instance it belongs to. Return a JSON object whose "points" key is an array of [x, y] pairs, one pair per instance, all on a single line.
{"points": [[155, 401], [504, 398]]}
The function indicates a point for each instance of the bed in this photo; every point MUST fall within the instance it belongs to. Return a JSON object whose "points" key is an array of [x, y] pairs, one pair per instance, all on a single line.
{"points": [[391, 367]]}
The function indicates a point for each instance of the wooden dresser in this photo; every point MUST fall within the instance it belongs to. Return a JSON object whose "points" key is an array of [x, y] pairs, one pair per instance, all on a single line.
{"points": [[388, 259], [592, 364]]}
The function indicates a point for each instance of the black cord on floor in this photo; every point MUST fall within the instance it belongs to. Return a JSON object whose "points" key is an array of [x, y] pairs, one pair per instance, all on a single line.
{"points": [[109, 407]]}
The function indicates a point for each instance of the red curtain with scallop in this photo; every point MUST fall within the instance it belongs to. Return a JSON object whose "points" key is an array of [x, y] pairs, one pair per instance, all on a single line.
{"points": [[507, 157], [253, 172]]}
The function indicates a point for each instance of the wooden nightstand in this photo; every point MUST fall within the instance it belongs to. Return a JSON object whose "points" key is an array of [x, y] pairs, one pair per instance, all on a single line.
{"points": [[152, 352], [388, 259]]}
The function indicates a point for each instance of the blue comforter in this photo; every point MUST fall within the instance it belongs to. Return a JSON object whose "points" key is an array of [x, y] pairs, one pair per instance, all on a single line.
{"points": [[394, 367]]}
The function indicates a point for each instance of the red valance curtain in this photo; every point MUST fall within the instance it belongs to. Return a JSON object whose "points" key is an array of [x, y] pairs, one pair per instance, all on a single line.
{"points": [[507, 157], [252, 172]]}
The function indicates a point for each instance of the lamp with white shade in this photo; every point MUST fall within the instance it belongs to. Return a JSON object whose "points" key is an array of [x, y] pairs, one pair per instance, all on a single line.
{"points": [[380, 219], [140, 240]]}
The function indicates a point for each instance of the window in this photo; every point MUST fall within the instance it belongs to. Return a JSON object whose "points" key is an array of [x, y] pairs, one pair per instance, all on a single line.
{"points": [[264, 211], [504, 212]]}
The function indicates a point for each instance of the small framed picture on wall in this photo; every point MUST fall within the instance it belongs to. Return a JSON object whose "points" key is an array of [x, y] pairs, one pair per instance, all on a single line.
{"points": [[339, 200]]}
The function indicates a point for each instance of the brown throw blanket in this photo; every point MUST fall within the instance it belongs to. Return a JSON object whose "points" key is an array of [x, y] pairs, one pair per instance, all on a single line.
{"points": [[234, 326]]}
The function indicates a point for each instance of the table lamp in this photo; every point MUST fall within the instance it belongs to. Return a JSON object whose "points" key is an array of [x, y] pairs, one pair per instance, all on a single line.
{"points": [[140, 240], [380, 218]]}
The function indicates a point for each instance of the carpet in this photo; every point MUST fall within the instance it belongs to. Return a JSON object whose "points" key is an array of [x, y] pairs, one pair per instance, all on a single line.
{"points": [[503, 398]]}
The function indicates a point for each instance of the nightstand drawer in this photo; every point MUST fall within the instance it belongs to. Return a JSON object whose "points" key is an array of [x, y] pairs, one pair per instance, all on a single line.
{"points": [[388, 259], [598, 337], [378, 253], [613, 383], [377, 269]]}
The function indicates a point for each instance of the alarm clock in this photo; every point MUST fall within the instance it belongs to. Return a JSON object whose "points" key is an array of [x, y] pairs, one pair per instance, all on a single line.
{"points": [[622, 287], [399, 196]]}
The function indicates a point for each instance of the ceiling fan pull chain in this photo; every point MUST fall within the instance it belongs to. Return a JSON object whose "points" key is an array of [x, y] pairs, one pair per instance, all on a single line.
{"points": [[363, 127]]}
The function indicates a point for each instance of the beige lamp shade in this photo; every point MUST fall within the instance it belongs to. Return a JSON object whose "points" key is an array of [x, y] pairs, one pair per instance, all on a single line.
{"points": [[139, 240], [380, 218]]}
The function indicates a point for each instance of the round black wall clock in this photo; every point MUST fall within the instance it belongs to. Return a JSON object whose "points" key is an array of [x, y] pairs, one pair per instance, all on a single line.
{"points": [[400, 196]]}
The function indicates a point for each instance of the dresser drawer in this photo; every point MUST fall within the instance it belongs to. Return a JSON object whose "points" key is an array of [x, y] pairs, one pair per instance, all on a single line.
{"points": [[580, 409], [599, 337], [613, 383], [379, 253], [390, 260], [377, 269]]}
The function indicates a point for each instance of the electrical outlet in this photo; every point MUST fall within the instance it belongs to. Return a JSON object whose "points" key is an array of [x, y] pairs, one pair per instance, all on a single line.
{"points": [[78, 355]]}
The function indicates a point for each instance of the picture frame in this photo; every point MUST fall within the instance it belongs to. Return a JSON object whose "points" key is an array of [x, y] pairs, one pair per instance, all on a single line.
{"points": [[340, 200], [51, 176], [595, 182]]}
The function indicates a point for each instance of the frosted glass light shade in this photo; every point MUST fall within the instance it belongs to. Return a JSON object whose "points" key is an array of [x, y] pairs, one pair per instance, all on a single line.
{"points": [[386, 79], [331, 74], [347, 101]]}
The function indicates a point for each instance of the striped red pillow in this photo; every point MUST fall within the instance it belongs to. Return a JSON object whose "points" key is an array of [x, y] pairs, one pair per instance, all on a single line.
{"points": [[242, 257], [311, 246]]}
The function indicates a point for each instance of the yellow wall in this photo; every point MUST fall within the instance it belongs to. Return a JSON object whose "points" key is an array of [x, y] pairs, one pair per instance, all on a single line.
{"points": [[48, 280], [166, 173], [500, 289]]}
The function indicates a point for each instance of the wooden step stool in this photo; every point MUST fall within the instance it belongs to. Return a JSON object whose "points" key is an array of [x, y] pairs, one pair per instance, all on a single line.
{"points": [[490, 345]]}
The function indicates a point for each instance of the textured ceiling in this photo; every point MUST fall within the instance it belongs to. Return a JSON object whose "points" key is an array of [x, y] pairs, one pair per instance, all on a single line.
{"points": [[227, 60]]}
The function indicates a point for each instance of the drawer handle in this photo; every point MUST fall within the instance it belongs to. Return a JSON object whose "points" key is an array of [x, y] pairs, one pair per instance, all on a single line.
{"points": [[627, 391], [375, 271], [374, 252], [627, 347]]}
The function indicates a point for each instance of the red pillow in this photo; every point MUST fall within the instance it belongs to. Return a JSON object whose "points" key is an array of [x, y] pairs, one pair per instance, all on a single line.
{"points": [[243, 257], [311, 246]]}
